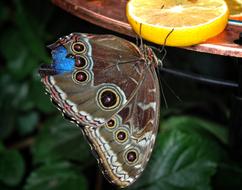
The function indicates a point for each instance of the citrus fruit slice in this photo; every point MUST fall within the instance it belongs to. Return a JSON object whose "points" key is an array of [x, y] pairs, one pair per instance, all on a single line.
{"points": [[235, 9], [191, 21]]}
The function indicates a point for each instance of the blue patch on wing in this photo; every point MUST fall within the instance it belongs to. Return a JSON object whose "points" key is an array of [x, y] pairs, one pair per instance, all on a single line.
{"points": [[61, 63]]}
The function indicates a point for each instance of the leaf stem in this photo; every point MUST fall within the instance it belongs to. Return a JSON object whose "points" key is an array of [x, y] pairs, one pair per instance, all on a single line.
{"points": [[22, 144]]}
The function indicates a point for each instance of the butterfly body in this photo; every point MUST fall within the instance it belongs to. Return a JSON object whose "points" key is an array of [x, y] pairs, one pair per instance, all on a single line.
{"points": [[109, 87]]}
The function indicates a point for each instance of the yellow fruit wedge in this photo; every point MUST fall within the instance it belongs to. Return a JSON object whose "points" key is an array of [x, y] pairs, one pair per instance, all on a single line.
{"points": [[192, 21], [235, 9]]}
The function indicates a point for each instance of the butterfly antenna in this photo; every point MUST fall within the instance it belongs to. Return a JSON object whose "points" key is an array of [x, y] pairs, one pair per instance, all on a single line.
{"points": [[163, 49], [160, 65], [141, 40], [163, 57], [163, 94], [137, 40], [164, 45], [171, 90], [142, 44]]}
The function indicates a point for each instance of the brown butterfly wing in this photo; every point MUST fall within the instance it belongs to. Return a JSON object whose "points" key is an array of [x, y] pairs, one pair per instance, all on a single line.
{"points": [[111, 79], [122, 138]]}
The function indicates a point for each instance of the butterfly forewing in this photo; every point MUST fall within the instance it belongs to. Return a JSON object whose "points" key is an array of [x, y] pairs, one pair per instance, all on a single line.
{"points": [[106, 85], [97, 85]]}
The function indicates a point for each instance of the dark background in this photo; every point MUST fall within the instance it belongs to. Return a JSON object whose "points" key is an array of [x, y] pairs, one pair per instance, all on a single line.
{"points": [[41, 150]]}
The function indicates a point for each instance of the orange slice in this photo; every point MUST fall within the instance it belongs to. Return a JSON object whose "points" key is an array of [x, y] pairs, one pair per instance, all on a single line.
{"points": [[192, 21], [235, 9]]}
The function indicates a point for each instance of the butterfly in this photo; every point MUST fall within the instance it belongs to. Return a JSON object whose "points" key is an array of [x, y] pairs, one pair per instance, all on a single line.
{"points": [[109, 87]]}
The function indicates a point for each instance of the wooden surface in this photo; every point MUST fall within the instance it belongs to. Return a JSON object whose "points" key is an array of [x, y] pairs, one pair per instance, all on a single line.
{"points": [[110, 14]]}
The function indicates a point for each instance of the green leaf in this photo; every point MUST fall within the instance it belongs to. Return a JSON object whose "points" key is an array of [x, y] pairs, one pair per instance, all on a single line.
{"points": [[8, 114], [14, 93], [7, 121], [27, 123], [60, 140], [26, 104], [192, 124], [2, 148], [20, 62], [4, 12], [182, 160], [13, 99], [12, 167], [34, 42], [40, 99], [58, 176], [5, 187]]}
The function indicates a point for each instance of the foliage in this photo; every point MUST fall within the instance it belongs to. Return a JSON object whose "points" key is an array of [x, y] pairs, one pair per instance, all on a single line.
{"points": [[40, 150], [59, 176], [12, 167], [182, 159]]}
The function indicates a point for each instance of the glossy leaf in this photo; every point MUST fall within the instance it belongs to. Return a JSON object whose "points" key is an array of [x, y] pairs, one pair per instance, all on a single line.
{"points": [[27, 123], [30, 37], [202, 127], [39, 98], [7, 122], [2, 148], [4, 12], [59, 140], [58, 176], [182, 159], [13, 93], [12, 167], [5, 187], [20, 62]]}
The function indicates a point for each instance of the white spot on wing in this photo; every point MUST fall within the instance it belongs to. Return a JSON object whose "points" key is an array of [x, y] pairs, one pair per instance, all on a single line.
{"points": [[134, 80], [147, 106], [138, 166], [52, 80], [152, 90]]}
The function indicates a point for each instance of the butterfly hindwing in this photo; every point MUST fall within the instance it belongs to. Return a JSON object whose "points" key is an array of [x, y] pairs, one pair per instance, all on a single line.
{"points": [[124, 144]]}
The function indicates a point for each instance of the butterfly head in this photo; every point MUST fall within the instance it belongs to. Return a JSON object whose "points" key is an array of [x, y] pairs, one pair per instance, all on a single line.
{"points": [[151, 57]]}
